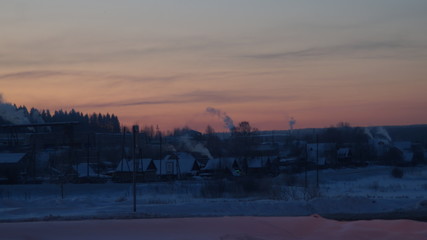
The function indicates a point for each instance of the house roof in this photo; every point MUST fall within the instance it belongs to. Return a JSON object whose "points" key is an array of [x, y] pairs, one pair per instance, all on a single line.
{"points": [[180, 162], [11, 157], [126, 165], [220, 163], [84, 170], [186, 162]]}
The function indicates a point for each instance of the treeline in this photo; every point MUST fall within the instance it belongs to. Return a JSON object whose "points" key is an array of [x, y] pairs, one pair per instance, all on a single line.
{"points": [[96, 122], [104, 123]]}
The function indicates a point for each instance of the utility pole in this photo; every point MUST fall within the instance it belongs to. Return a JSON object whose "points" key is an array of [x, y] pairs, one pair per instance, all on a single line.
{"points": [[317, 161], [135, 130], [88, 146], [160, 148], [123, 149], [305, 167]]}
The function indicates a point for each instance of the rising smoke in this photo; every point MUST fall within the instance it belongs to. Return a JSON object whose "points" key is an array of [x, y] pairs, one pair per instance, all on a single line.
{"points": [[229, 124], [368, 133], [195, 146], [13, 115], [292, 122], [378, 133]]}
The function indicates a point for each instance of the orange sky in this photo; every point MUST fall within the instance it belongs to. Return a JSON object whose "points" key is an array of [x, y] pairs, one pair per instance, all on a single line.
{"points": [[258, 61]]}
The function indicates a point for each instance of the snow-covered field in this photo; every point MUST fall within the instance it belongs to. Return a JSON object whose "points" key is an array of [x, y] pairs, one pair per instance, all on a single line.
{"points": [[370, 191]]}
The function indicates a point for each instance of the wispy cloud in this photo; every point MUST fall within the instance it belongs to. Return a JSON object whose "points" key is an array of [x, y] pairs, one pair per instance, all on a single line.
{"points": [[45, 74], [59, 50], [133, 78], [362, 49], [190, 97], [31, 75]]}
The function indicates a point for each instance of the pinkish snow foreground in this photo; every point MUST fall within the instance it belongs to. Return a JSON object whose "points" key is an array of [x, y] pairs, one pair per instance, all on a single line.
{"points": [[250, 228]]}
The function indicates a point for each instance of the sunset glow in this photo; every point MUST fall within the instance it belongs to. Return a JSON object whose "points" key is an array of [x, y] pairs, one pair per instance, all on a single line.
{"points": [[165, 62]]}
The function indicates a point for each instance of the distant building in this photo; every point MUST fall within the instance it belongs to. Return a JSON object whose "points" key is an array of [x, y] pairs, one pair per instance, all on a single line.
{"points": [[218, 167], [145, 170], [177, 165], [12, 167], [86, 174]]}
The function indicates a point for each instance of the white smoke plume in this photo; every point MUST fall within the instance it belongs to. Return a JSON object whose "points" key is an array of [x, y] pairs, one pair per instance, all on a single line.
{"points": [[382, 133], [229, 124], [9, 113], [378, 133], [195, 147], [292, 122], [368, 133]]}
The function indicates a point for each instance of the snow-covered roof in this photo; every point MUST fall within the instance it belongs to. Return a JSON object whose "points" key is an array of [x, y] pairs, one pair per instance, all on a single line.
{"points": [[180, 162], [186, 162], [212, 164], [84, 170], [142, 165], [11, 157], [220, 163]]}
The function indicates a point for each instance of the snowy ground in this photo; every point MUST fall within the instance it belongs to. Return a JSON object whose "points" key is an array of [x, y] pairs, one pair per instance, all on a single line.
{"points": [[222, 228], [366, 192]]}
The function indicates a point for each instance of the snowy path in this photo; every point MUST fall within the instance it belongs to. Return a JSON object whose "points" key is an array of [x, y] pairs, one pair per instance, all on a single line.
{"points": [[225, 228]]}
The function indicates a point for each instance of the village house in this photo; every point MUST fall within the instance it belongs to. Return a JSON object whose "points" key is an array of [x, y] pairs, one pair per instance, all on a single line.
{"points": [[12, 167], [219, 167], [177, 166], [84, 173], [145, 170]]}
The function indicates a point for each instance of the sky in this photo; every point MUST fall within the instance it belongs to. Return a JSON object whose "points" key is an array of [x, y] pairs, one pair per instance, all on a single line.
{"points": [[165, 62]]}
